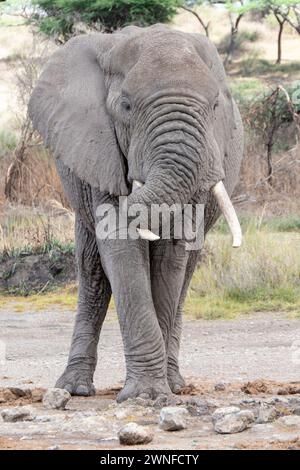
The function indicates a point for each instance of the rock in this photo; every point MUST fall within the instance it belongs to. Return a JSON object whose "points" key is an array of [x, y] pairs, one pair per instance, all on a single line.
{"points": [[220, 413], [249, 402], [132, 434], [276, 400], [18, 413], [167, 401], [220, 387], [173, 418], [291, 422], [42, 419], [266, 414], [56, 398], [296, 411], [122, 413], [197, 406], [294, 401], [231, 420]]}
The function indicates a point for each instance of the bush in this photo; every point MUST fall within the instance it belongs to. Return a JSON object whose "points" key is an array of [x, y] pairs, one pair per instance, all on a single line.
{"points": [[241, 40], [62, 16], [265, 108]]}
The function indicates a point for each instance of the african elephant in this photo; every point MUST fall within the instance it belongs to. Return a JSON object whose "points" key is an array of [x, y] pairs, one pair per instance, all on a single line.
{"points": [[149, 109]]}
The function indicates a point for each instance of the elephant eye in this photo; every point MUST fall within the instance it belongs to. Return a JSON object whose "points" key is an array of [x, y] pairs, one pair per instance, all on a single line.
{"points": [[126, 105]]}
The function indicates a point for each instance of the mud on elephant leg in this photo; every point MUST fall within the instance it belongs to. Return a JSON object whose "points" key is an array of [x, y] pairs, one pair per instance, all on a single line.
{"points": [[168, 270], [126, 263], [93, 299]]}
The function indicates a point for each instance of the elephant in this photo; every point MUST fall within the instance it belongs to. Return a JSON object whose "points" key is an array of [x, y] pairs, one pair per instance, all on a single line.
{"points": [[144, 114]]}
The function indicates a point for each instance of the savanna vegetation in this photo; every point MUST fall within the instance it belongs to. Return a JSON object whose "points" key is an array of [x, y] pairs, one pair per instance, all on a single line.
{"points": [[259, 42]]}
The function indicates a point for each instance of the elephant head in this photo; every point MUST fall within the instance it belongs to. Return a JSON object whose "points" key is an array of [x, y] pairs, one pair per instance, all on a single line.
{"points": [[138, 109]]}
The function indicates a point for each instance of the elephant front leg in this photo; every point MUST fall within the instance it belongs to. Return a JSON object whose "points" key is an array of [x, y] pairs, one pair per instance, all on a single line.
{"points": [[126, 263], [93, 299], [175, 378], [168, 272]]}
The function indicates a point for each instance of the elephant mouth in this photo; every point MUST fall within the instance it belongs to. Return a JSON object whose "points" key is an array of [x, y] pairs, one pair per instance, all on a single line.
{"points": [[225, 206]]}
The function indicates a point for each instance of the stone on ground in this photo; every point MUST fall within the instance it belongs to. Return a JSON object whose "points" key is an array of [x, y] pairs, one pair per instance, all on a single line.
{"points": [[18, 413], [220, 413], [231, 420], [173, 418], [266, 414], [290, 422], [197, 406], [133, 434], [56, 398]]}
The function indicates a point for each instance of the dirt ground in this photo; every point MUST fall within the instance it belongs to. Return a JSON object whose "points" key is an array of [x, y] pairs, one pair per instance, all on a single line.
{"points": [[253, 360]]}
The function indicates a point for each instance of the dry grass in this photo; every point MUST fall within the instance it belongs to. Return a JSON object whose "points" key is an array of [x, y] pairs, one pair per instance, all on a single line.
{"points": [[264, 274], [25, 228]]}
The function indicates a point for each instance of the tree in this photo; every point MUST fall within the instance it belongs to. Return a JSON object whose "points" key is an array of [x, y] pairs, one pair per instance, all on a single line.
{"points": [[268, 113], [189, 5], [284, 11], [236, 11], [60, 18]]}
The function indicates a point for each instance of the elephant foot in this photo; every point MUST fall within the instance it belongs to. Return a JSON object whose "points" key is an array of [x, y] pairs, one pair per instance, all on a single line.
{"points": [[76, 382], [176, 381], [147, 388]]}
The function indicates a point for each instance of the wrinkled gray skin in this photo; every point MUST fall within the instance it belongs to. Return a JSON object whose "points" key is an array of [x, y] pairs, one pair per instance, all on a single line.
{"points": [[142, 104]]}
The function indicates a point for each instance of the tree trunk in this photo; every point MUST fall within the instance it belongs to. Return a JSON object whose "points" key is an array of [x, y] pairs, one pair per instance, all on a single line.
{"points": [[279, 40], [279, 37], [233, 36]]}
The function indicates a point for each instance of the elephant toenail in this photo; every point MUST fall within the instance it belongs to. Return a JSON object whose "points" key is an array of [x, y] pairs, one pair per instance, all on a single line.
{"points": [[145, 396], [82, 390]]}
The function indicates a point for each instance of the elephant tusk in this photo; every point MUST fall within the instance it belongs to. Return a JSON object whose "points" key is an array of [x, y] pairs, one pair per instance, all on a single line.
{"points": [[136, 185], [229, 213], [145, 234]]}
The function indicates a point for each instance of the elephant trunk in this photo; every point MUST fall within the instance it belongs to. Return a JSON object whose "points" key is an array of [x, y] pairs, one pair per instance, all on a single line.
{"points": [[181, 156], [173, 140], [225, 206]]}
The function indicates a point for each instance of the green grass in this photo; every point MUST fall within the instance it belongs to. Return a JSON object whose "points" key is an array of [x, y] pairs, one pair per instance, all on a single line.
{"points": [[234, 303], [254, 65], [244, 90], [251, 223], [60, 298], [52, 247]]}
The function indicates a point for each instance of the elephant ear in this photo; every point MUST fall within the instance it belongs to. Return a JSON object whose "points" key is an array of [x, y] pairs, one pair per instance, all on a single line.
{"points": [[68, 109], [227, 115]]}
